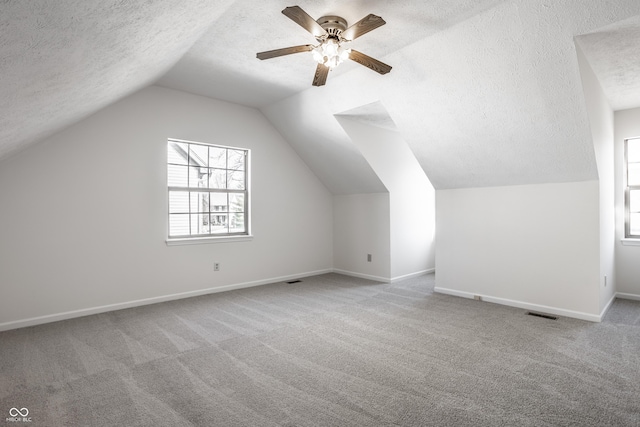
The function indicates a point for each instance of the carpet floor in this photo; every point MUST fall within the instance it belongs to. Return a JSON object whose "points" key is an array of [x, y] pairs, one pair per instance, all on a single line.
{"points": [[329, 351]]}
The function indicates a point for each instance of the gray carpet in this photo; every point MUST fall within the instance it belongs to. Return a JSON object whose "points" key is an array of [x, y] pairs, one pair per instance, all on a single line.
{"points": [[330, 351]]}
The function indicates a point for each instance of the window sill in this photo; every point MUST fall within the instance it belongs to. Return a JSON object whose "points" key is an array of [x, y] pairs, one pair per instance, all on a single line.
{"points": [[207, 240], [630, 242]]}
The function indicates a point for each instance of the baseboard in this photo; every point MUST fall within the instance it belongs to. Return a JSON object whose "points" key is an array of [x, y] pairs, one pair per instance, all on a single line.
{"points": [[147, 301], [623, 295], [383, 279], [362, 276], [524, 305], [412, 275], [607, 307]]}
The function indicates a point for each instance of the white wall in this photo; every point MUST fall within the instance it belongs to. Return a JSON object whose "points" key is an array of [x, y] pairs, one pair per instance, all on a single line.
{"points": [[602, 131], [360, 227], [83, 215], [531, 246], [411, 196], [627, 125]]}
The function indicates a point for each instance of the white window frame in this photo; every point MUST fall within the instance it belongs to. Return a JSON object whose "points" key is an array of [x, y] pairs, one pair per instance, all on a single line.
{"points": [[627, 190], [209, 237]]}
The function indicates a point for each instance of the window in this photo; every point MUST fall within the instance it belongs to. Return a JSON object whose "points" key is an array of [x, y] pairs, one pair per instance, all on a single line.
{"points": [[208, 190], [632, 189]]}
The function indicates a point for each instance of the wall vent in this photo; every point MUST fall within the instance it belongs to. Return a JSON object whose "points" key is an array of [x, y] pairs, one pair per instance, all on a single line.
{"points": [[294, 281], [544, 316]]}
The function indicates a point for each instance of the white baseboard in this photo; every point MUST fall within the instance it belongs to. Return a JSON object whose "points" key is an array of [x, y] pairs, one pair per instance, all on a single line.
{"points": [[412, 275], [22, 323], [361, 275], [607, 307], [383, 279], [453, 292], [525, 305], [623, 295]]}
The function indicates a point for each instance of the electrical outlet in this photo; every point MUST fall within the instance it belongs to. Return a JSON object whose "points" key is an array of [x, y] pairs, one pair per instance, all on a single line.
{"points": [[477, 297], [216, 266], [605, 281], [368, 257]]}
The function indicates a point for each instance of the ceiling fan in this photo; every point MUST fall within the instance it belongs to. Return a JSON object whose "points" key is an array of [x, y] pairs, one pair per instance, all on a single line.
{"points": [[330, 32]]}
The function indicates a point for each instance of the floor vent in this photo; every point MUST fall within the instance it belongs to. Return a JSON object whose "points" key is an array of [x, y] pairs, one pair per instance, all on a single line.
{"points": [[544, 316], [294, 281]]}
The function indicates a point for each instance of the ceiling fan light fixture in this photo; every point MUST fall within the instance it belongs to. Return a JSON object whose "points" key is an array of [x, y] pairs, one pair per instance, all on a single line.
{"points": [[330, 53], [318, 54], [330, 47], [330, 32]]}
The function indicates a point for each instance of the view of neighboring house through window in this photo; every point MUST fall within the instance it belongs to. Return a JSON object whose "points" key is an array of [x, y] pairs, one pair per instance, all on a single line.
{"points": [[208, 190], [632, 190]]}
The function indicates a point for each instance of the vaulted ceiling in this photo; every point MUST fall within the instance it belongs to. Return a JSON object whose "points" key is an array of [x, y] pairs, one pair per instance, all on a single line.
{"points": [[485, 92]]}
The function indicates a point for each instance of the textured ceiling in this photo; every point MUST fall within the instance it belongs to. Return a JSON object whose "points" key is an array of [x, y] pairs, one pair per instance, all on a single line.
{"points": [[63, 60], [614, 55], [486, 92], [493, 100], [224, 59]]}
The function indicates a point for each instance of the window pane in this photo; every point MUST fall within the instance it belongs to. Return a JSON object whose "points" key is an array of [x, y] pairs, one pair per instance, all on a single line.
{"points": [[237, 223], [177, 153], [634, 200], [198, 177], [633, 174], [633, 150], [236, 202], [218, 179], [178, 225], [236, 180], [219, 223], [218, 202], [178, 202], [217, 157], [199, 224], [199, 202], [236, 160], [634, 224], [177, 176], [198, 155]]}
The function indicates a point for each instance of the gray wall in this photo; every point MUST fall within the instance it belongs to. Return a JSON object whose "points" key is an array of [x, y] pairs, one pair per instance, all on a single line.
{"points": [[627, 125], [83, 216], [530, 246]]}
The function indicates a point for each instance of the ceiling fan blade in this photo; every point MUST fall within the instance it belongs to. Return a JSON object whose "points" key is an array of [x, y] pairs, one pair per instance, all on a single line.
{"points": [[363, 26], [302, 18], [320, 78], [369, 62], [284, 51]]}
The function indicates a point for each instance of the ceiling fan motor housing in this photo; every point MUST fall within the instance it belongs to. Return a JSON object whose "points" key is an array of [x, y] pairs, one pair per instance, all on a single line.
{"points": [[333, 25]]}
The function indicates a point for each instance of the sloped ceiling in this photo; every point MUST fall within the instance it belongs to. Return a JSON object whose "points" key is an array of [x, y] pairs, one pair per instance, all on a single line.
{"points": [[494, 100], [61, 61], [224, 59], [323, 144], [614, 55], [373, 114], [486, 92]]}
